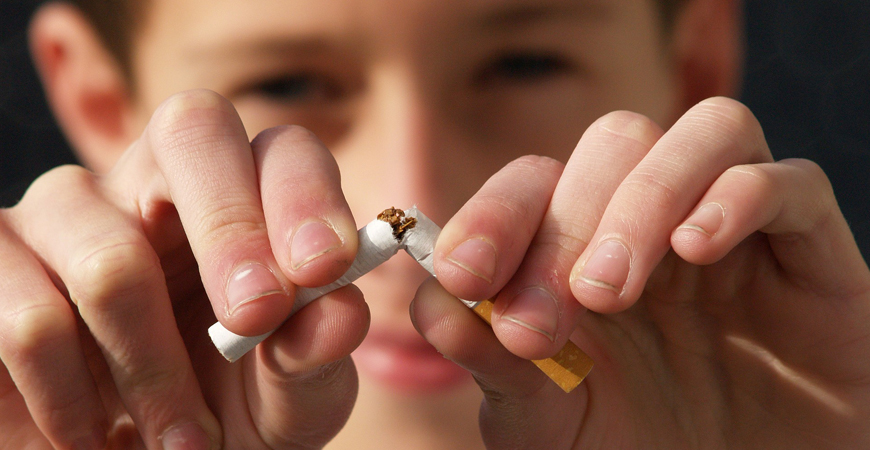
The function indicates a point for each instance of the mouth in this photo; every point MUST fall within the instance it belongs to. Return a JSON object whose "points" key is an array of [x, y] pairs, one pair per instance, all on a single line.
{"points": [[406, 363]]}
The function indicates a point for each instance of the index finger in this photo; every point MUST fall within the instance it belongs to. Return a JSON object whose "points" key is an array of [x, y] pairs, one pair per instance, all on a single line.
{"points": [[202, 150]]}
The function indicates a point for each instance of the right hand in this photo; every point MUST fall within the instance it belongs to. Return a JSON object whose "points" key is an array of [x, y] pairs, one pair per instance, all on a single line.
{"points": [[743, 326], [110, 282]]}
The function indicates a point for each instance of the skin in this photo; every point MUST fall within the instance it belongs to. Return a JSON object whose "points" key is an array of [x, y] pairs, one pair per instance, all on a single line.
{"points": [[731, 311]]}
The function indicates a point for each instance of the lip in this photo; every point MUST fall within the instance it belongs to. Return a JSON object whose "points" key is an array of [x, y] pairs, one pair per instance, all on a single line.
{"points": [[405, 362]]}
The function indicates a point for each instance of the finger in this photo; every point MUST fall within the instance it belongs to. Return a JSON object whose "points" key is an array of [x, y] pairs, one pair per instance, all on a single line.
{"points": [[535, 312], [481, 247], [302, 385], [40, 348], [522, 408], [634, 232], [310, 225], [201, 149], [17, 429], [793, 203], [114, 278]]}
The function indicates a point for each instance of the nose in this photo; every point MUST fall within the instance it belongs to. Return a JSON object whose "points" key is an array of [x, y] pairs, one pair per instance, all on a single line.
{"points": [[402, 150], [399, 152]]}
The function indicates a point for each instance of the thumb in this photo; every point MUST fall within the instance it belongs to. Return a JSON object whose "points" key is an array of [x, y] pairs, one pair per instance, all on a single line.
{"points": [[522, 408], [301, 384]]}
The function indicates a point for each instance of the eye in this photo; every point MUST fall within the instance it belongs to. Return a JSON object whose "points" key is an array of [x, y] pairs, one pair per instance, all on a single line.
{"points": [[522, 67], [298, 88]]}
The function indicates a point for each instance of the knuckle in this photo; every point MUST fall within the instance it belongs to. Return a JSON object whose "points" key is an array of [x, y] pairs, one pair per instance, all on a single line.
{"points": [[534, 165], [329, 374], [309, 154], [754, 178], [286, 134], [35, 329], [652, 186], [192, 102], [725, 107], [69, 174], [43, 190], [812, 173], [143, 380], [336, 382], [536, 162], [66, 411], [732, 117], [629, 126], [509, 205], [820, 204], [226, 223], [176, 122], [563, 240], [111, 269], [527, 176]]}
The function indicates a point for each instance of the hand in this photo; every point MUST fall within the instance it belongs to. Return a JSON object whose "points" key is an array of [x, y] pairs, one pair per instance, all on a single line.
{"points": [[728, 302], [110, 282]]}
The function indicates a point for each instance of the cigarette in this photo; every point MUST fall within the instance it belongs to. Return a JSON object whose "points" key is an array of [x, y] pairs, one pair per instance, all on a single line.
{"points": [[379, 240]]}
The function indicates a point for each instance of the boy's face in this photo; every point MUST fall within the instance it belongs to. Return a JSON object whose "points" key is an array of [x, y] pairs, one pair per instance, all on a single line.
{"points": [[420, 102]]}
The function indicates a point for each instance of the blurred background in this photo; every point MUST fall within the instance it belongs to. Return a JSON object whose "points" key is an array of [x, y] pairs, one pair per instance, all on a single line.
{"points": [[807, 79]]}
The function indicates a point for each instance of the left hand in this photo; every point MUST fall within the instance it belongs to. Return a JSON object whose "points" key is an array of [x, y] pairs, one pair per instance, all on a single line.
{"points": [[729, 302]]}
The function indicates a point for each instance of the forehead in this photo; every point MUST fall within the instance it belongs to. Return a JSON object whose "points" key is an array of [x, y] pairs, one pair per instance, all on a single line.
{"points": [[210, 20]]}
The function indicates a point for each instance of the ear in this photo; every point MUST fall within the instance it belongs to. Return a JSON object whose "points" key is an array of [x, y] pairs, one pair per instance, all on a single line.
{"points": [[85, 86], [708, 47]]}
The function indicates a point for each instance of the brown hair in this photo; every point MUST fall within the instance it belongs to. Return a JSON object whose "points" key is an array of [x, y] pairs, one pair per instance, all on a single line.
{"points": [[668, 10], [117, 22]]}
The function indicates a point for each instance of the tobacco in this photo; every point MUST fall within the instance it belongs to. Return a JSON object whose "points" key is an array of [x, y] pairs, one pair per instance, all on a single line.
{"points": [[397, 220]]}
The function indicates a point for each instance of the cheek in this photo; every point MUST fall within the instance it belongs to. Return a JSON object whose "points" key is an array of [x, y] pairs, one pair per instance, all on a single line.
{"points": [[330, 124], [549, 124], [637, 75], [645, 87]]}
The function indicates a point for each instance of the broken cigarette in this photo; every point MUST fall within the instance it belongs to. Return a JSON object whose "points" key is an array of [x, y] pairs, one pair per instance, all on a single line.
{"points": [[379, 240]]}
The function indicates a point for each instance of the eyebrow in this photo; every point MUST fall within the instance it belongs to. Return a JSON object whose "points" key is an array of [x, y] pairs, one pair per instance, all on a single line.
{"points": [[523, 14], [502, 16], [307, 45]]}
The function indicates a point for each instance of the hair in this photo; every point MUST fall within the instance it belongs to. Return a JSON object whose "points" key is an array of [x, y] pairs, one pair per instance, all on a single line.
{"points": [[117, 22], [668, 11]]}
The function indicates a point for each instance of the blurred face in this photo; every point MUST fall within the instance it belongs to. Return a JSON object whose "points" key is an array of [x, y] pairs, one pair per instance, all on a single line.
{"points": [[420, 101]]}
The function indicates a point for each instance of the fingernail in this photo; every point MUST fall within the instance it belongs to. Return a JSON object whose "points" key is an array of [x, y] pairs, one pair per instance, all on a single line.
{"points": [[249, 282], [95, 441], [707, 219], [477, 256], [189, 436], [534, 308], [310, 241], [608, 266]]}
